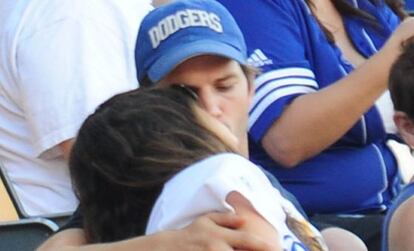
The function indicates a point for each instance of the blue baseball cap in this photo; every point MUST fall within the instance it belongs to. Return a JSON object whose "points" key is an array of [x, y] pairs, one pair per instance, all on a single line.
{"points": [[175, 32]]}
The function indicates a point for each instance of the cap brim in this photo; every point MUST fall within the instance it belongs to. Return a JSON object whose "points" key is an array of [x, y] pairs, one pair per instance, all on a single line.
{"points": [[168, 61]]}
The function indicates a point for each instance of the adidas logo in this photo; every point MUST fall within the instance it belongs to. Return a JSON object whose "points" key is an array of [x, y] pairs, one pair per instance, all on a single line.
{"points": [[258, 59]]}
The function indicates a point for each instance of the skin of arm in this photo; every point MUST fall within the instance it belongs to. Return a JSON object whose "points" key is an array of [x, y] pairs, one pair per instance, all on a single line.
{"points": [[74, 239], [319, 119], [214, 231], [158, 3], [401, 225], [337, 239], [66, 147], [402, 221], [255, 223]]}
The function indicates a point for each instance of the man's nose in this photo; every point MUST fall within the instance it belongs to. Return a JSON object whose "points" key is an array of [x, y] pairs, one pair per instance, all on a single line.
{"points": [[211, 104]]}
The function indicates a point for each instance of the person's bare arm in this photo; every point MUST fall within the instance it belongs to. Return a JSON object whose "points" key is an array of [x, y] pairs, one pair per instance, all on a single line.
{"points": [[215, 231], [74, 239], [158, 3], [255, 223], [400, 228], [66, 147], [338, 239], [313, 122]]}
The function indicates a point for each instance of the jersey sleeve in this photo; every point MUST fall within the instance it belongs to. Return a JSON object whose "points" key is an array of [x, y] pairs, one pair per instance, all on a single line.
{"points": [[203, 188], [65, 70], [275, 33]]}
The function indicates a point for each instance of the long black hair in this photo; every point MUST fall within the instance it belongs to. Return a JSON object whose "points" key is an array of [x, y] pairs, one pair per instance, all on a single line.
{"points": [[127, 150], [347, 9]]}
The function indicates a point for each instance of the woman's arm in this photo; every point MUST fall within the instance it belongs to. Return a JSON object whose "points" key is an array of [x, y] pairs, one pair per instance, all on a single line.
{"points": [[255, 223], [215, 231], [314, 121], [401, 225]]}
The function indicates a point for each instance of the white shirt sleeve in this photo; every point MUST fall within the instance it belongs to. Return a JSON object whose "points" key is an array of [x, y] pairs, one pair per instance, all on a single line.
{"points": [[66, 69], [204, 186]]}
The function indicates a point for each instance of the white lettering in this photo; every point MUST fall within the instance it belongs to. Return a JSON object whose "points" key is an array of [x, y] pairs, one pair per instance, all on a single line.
{"points": [[173, 24], [163, 29], [205, 18], [153, 33], [215, 23], [194, 18], [181, 20]]}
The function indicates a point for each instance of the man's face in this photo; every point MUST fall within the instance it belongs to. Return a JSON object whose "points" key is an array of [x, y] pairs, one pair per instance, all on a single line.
{"points": [[222, 88]]}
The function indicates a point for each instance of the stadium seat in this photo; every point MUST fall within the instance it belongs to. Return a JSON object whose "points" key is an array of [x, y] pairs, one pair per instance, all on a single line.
{"points": [[11, 209], [25, 234]]}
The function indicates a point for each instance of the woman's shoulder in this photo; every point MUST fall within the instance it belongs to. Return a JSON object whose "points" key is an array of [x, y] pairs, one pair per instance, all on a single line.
{"points": [[200, 188], [223, 169], [219, 164]]}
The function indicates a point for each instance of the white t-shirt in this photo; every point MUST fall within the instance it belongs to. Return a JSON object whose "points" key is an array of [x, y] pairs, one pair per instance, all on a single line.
{"points": [[203, 187], [59, 59]]}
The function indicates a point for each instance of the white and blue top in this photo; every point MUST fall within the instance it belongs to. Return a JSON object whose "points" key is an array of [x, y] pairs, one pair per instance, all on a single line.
{"points": [[204, 186], [359, 172]]}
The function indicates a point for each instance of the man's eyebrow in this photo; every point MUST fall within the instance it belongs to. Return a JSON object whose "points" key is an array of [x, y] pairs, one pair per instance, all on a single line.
{"points": [[226, 77]]}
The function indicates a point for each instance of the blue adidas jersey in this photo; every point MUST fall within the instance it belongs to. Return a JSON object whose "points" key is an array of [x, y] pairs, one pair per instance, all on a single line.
{"points": [[358, 173], [409, 5]]}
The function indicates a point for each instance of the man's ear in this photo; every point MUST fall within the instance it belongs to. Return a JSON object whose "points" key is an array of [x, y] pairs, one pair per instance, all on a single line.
{"points": [[405, 127]]}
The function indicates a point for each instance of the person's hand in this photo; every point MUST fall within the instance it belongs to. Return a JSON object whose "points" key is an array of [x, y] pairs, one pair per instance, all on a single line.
{"points": [[218, 232], [211, 232]]}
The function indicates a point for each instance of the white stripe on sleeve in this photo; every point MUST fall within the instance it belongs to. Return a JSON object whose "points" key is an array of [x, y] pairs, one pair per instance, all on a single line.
{"points": [[285, 82], [268, 100], [283, 73]]}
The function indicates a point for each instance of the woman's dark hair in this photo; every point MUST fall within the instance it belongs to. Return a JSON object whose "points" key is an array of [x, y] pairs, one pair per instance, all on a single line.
{"points": [[127, 150], [401, 81], [345, 8]]}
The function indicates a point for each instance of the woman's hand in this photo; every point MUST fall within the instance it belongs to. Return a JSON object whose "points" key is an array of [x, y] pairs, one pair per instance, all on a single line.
{"points": [[218, 232], [211, 232]]}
